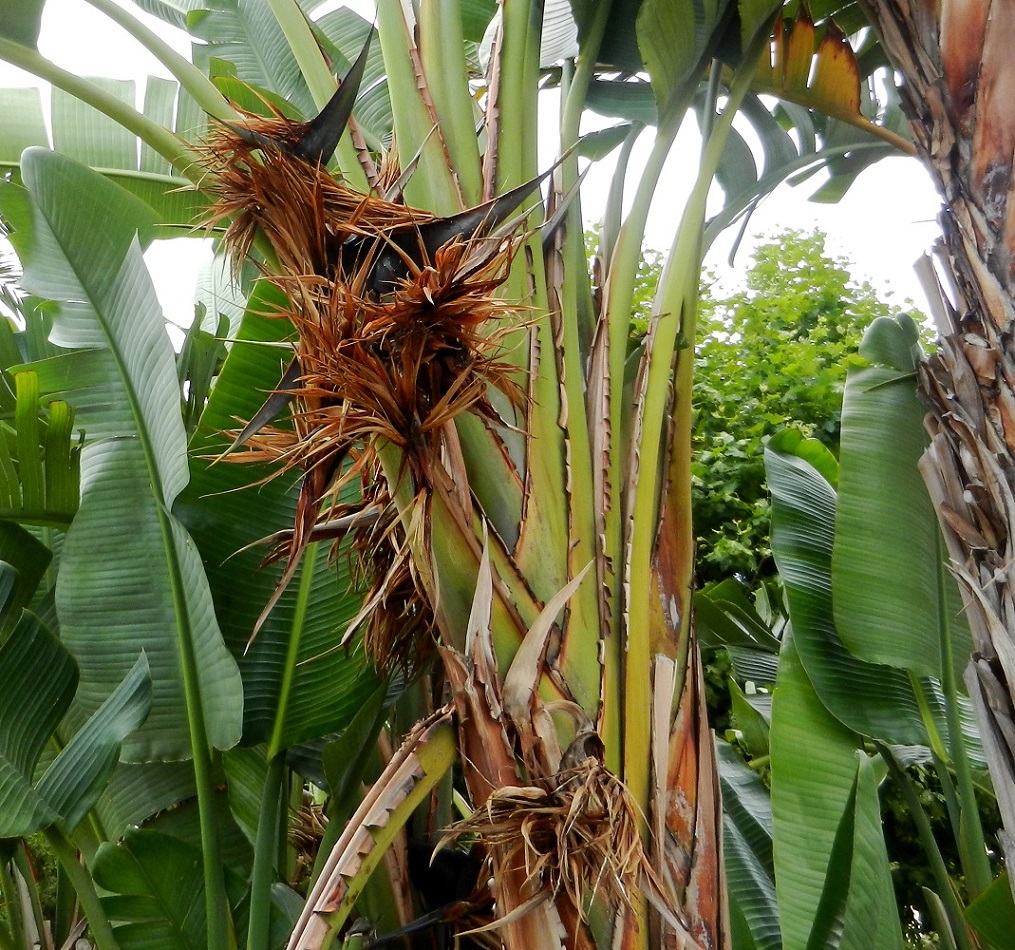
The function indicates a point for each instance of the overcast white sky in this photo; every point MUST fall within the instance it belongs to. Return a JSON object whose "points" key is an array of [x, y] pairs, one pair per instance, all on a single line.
{"points": [[883, 224]]}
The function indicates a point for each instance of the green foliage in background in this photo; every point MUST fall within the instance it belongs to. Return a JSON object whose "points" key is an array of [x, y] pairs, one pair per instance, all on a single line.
{"points": [[770, 356]]}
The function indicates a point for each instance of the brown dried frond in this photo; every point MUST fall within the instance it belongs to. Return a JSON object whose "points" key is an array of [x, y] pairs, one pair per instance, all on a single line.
{"points": [[306, 831], [574, 832], [395, 617], [399, 621], [304, 212], [394, 341]]}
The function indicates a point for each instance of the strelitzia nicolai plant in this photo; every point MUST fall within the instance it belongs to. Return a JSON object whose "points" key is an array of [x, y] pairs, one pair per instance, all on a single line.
{"points": [[525, 486]]}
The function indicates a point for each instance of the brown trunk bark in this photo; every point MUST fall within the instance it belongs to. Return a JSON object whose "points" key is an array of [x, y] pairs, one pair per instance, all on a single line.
{"points": [[959, 90]]}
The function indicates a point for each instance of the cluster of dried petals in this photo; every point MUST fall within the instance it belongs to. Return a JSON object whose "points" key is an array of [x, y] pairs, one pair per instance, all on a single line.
{"points": [[393, 339]]}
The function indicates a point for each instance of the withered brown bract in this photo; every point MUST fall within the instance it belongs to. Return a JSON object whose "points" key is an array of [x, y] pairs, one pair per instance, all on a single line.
{"points": [[392, 310]]}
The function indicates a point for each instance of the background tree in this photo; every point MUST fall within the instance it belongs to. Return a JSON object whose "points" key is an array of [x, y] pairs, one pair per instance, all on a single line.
{"points": [[772, 355]]}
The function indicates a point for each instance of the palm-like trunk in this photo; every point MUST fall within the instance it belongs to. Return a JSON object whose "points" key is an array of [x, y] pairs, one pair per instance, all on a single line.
{"points": [[958, 93]]}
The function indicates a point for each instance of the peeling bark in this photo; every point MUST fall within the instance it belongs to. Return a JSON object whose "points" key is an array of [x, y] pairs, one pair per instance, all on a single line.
{"points": [[955, 58]]}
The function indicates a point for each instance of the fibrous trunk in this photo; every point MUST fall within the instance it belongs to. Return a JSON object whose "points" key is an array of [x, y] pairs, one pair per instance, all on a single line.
{"points": [[958, 85]]}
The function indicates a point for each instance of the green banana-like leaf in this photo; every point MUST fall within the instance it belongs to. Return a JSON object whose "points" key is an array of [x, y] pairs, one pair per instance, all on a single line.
{"points": [[173, 12], [155, 896], [747, 853], [298, 685], [135, 792], [752, 727], [22, 21], [345, 759], [28, 558], [992, 914], [246, 770], [887, 560], [38, 677], [813, 776], [871, 920], [144, 589], [674, 39], [78, 775], [853, 912], [872, 699], [247, 34], [89, 136], [37, 682], [726, 617]]}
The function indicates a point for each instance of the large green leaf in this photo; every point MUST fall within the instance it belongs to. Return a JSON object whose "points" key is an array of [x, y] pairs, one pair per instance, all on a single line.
{"points": [[993, 912], [871, 919], [619, 47], [853, 912], [120, 590], [295, 660], [813, 774], [173, 12], [135, 792], [22, 21], [78, 775], [872, 699], [726, 617], [23, 563], [38, 677], [674, 37], [156, 891], [246, 34], [887, 565], [37, 681]]}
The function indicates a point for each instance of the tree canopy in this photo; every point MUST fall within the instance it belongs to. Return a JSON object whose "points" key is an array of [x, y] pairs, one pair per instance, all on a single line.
{"points": [[771, 355]]}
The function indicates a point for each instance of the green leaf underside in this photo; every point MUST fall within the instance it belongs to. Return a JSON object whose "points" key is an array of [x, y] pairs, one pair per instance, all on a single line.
{"points": [[115, 592], [747, 852], [831, 866], [37, 681]]}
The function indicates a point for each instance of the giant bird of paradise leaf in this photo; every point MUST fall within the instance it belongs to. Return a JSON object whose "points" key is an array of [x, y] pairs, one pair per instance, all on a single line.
{"points": [[521, 524]]}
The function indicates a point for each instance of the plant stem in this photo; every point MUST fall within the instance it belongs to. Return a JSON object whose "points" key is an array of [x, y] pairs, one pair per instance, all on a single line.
{"points": [[200, 87], [674, 324], [930, 847], [969, 834], [216, 900], [293, 23], [98, 924], [300, 37], [574, 103], [443, 56], [265, 851], [269, 824]]}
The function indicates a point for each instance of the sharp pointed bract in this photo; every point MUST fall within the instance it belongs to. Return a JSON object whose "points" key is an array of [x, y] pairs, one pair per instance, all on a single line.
{"points": [[423, 242], [319, 139], [273, 406]]}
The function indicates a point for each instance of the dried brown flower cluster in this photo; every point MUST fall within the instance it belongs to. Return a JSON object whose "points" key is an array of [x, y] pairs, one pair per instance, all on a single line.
{"points": [[393, 340], [575, 831]]}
